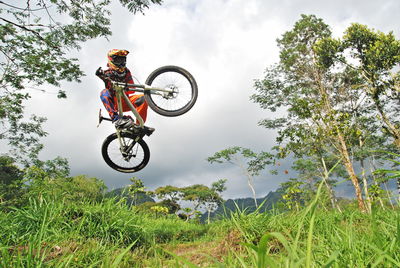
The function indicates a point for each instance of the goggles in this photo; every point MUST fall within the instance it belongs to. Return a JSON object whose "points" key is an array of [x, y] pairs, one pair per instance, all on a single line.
{"points": [[118, 60]]}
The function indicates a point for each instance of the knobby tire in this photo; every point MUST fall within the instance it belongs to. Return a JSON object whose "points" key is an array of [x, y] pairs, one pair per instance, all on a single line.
{"points": [[113, 157], [190, 86]]}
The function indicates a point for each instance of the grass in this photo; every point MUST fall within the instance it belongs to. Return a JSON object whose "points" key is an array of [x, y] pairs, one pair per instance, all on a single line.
{"points": [[59, 234], [317, 237], [110, 234]]}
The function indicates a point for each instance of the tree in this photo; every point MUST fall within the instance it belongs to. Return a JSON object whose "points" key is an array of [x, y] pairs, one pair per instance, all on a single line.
{"points": [[200, 195], [135, 189], [214, 198], [203, 196], [11, 180], [219, 186], [159, 210], [293, 193], [236, 155], [375, 57], [316, 102], [311, 172], [36, 38], [52, 181], [75, 189], [56, 168], [197, 194], [170, 196]]}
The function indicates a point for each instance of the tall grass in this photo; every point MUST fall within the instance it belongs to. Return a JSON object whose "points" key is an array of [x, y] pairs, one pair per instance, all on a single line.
{"points": [[50, 233], [65, 234], [315, 237]]}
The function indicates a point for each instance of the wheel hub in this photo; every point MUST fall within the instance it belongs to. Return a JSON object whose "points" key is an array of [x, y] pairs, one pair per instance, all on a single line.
{"points": [[174, 91]]}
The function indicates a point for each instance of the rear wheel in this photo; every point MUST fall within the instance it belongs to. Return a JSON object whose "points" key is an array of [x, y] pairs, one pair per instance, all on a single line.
{"points": [[182, 89], [132, 157]]}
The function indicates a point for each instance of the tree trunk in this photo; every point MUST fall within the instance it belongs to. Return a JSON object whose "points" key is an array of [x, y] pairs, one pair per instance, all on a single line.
{"points": [[364, 179], [342, 143], [365, 184], [250, 183], [350, 171], [330, 191]]}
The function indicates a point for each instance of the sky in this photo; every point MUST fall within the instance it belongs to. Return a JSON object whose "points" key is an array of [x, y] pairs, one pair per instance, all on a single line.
{"points": [[226, 45]]}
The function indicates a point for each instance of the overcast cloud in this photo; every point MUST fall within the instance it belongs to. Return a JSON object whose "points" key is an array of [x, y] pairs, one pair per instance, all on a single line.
{"points": [[225, 44]]}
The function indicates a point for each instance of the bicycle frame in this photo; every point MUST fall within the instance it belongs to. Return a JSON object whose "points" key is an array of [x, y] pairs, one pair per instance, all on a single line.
{"points": [[119, 88], [119, 92]]}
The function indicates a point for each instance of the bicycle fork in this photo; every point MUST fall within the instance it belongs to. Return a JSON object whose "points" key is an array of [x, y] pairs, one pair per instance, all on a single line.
{"points": [[126, 149]]}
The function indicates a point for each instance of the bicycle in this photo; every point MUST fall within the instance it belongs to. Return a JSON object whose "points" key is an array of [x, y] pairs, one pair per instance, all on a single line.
{"points": [[164, 90]]}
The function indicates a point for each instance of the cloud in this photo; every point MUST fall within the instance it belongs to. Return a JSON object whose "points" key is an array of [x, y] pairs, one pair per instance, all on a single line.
{"points": [[225, 44]]}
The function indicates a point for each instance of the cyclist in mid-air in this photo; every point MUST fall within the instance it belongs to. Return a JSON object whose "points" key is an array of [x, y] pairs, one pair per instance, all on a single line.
{"points": [[117, 71]]}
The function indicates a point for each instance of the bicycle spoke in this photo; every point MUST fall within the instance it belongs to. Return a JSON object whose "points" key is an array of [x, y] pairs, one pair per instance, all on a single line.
{"points": [[131, 157], [178, 99]]}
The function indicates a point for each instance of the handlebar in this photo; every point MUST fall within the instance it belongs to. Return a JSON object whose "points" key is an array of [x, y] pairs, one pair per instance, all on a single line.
{"points": [[136, 87], [127, 86]]}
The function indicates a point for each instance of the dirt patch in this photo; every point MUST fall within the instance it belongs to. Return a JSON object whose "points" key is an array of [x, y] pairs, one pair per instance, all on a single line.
{"points": [[202, 254]]}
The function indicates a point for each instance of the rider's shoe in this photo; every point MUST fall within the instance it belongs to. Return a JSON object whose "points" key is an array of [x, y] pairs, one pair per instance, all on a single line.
{"points": [[124, 122]]}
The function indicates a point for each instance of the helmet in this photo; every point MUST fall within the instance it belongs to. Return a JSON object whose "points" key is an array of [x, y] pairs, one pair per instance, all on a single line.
{"points": [[117, 59]]}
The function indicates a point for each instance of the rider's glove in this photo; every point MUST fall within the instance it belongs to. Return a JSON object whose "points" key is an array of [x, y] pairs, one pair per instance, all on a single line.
{"points": [[99, 72]]}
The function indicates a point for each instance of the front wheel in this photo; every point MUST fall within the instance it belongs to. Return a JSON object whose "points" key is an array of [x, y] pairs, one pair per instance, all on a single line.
{"points": [[128, 156], [180, 95]]}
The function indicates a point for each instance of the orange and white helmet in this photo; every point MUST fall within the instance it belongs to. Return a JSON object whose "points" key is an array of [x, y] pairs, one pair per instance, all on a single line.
{"points": [[117, 59]]}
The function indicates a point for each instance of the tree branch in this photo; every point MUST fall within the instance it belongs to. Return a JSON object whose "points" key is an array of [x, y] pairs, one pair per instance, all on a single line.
{"points": [[25, 28], [24, 9]]}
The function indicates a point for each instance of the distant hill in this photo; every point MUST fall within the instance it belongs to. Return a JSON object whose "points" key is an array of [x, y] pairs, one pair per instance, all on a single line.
{"points": [[245, 204], [120, 193]]}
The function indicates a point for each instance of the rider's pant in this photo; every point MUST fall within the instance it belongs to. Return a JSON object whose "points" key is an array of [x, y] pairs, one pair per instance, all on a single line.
{"points": [[110, 103]]}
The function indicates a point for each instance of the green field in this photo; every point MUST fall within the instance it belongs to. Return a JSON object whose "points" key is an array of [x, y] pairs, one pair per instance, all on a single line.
{"points": [[106, 233]]}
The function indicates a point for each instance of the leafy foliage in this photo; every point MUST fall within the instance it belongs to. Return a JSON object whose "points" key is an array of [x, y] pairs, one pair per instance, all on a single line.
{"points": [[200, 197], [238, 156], [136, 188], [293, 196], [11, 179], [373, 55], [48, 180], [36, 38]]}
